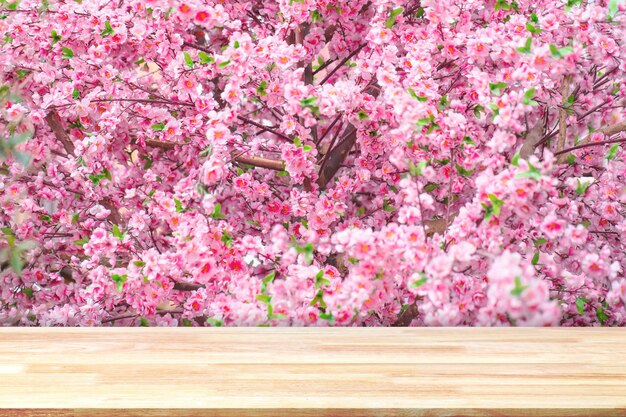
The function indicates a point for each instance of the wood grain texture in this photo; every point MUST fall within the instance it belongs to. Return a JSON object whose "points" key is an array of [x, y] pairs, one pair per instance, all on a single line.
{"points": [[306, 372]]}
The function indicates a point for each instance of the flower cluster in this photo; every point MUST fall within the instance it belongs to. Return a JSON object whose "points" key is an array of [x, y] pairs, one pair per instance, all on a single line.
{"points": [[313, 163]]}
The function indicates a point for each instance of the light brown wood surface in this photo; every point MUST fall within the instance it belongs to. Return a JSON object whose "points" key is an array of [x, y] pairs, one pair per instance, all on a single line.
{"points": [[274, 372]]}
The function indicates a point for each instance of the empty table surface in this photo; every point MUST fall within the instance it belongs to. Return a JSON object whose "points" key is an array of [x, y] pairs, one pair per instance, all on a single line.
{"points": [[274, 372]]}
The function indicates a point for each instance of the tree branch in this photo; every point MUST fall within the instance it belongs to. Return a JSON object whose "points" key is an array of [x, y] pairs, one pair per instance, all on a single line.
{"points": [[265, 128], [55, 124], [257, 161], [187, 286], [563, 114], [586, 142], [342, 63]]}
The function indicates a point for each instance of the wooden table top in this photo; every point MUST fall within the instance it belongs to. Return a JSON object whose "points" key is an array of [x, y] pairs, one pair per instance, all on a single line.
{"points": [[293, 372]]}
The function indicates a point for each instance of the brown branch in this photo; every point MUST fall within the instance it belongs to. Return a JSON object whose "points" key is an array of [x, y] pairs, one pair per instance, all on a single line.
{"points": [[563, 114], [264, 128], [407, 316], [590, 144], [257, 161], [342, 63], [335, 157], [532, 137], [187, 286], [198, 47], [122, 317], [166, 146], [55, 124], [607, 130]]}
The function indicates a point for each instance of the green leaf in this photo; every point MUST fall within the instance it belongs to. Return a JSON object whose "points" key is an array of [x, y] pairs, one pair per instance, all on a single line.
{"points": [[392, 17], [560, 52], [515, 159], [262, 88], [464, 172], [528, 98], [227, 239], [496, 88], [264, 298], [224, 64], [139, 264], [67, 53], [108, 30], [188, 60], [540, 241], [179, 206], [158, 127], [388, 207], [494, 208], [535, 259], [533, 29], [601, 315], [319, 298], [297, 141], [214, 322], [420, 281], [362, 115], [143, 322], [81, 242], [205, 58], [477, 110], [531, 173], [572, 3], [117, 232], [327, 316], [495, 203], [315, 16], [580, 305], [443, 102], [469, 141], [519, 288], [22, 157], [187, 323], [119, 281], [413, 94], [613, 9], [308, 101], [97, 179], [266, 280], [55, 37], [581, 187], [217, 212], [28, 291], [502, 5], [416, 170], [612, 153]]}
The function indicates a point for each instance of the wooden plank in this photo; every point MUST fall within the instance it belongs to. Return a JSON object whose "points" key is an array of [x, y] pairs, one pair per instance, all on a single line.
{"points": [[302, 372]]}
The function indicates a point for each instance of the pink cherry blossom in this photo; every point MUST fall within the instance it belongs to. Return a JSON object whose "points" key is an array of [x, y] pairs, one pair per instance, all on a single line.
{"points": [[312, 163]]}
